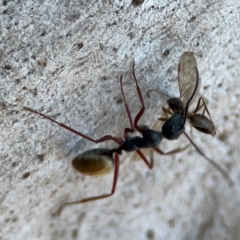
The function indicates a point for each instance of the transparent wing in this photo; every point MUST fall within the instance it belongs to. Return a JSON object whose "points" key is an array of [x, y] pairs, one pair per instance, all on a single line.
{"points": [[188, 80]]}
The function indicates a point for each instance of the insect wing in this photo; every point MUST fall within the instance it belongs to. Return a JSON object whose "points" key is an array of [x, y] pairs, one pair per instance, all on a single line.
{"points": [[188, 81]]}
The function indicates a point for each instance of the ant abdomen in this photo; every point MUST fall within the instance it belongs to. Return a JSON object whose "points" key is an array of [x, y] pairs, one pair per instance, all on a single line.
{"points": [[202, 123], [94, 162]]}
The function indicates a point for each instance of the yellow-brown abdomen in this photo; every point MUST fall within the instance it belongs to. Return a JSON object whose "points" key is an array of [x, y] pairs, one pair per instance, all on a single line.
{"points": [[94, 162]]}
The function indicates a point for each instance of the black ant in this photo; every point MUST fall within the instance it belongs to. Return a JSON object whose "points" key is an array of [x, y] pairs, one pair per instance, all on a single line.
{"points": [[99, 161], [189, 85]]}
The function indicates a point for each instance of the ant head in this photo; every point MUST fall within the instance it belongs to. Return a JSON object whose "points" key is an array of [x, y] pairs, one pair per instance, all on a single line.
{"points": [[173, 127]]}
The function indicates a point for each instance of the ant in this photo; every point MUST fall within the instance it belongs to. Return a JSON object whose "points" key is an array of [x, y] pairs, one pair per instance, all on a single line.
{"points": [[99, 161], [189, 85]]}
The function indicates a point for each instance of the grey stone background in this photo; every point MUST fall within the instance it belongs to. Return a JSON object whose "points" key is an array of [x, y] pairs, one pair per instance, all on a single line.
{"points": [[64, 58]]}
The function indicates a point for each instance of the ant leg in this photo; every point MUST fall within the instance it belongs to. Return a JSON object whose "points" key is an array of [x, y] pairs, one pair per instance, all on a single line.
{"points": [[115, 178], [205, 107], [140, 113], [191, 131], [177, 150], [213, 163], [166, 111], [102, 139], [163, 119], [127, 130], [199, 106], [149, 164]]}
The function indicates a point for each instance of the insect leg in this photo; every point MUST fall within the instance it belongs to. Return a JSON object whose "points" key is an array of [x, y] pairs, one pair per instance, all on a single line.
{"points": [[199, 106], [166, 111], [102, 139], [217, 166], [149, 164], [127, 130], [140, 113], [177, 150], [115, 178]]}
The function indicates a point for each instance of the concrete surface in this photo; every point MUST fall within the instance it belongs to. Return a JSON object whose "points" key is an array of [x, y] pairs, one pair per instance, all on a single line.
{"points": [[64, 58]]}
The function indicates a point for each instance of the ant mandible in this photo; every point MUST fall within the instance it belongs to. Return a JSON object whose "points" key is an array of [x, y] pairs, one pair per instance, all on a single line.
{"points": [[99, 161]]}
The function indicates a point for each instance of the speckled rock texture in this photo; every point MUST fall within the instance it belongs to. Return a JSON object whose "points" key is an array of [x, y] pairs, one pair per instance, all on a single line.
{"points": [[65, 58]]}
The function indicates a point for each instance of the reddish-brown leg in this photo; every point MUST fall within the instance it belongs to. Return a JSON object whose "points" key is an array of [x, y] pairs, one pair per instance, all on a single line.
{"points": [[102, 139], [149, 164], [131, 130], [138, 116], [127, 130], [115, 178], [177, 150], [140, 113], [199, 106]]}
